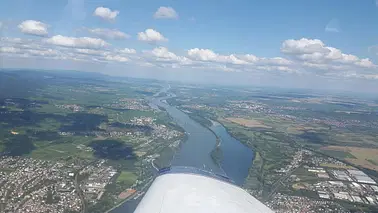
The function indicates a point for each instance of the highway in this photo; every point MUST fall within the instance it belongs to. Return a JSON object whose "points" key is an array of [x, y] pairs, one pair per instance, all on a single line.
{"points": [[280, 181]]}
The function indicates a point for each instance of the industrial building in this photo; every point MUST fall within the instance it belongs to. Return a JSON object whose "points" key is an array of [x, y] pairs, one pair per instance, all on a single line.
{"points": [[360, 176]]}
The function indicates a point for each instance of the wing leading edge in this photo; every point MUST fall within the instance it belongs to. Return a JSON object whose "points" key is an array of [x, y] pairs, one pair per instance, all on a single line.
{"points": [[183, 192]]}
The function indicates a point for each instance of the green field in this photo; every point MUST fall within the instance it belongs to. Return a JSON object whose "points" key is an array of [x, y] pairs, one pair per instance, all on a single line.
{"points": [[127, 178], [338, 154]]}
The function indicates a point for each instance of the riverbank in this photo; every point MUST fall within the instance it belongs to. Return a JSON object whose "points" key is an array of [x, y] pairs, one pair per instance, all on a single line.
{"points": [[134, 199], [272, 150], [121, 203], [217, 153], [256, 154], [230, 155]]}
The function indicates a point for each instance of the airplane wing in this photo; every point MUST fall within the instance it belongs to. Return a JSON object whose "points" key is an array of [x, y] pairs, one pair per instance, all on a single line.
{"points": [[189, 190]]}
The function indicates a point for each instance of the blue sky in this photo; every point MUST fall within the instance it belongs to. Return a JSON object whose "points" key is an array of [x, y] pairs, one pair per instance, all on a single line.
{"points": [[284, 43]]}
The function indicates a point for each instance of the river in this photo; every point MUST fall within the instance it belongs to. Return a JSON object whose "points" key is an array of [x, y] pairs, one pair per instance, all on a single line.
{"points": [[196, 150], [236, 157]]}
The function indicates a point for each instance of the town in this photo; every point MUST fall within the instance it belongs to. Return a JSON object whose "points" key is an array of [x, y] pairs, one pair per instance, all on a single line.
{"points": [[325, 180], [30, 185], [129, 142]]}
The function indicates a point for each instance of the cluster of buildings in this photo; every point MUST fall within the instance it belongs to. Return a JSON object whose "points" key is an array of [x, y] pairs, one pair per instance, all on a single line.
{"points": [[249, 106], [165, 133], [159, 131], [321, 160], [72, 107], [143, 120], [19, 103], [279, 111], [330, 122], [142, 124], [360, 176], [138, 127], [30, 185], [341, 123], [348, 191], [99, 176], [282, 203], [129, 103], [66, 133], [295, 162], [290, 108], [196, 106], [327, 182], [345, 184]]}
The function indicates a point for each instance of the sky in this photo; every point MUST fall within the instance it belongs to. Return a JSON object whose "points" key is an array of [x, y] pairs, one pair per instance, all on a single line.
{"points": [[317, 44]]}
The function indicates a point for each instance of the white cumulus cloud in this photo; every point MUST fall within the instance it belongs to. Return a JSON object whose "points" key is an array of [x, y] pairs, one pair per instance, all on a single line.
{"points": [[127, 51], [202, 54], [116, 58], [44, 52], [209, 55], [365, 63], [106, 13], [314, 51], [151, 35], [80, 42], [109, 33], [303, 46], [275, 61], [32, 27], [163, 54], [9, 50], [165, 13], [91, 52], [238, 62], [302, 56]]}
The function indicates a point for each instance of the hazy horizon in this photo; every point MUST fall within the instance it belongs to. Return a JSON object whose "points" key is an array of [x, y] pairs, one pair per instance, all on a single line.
{"points": [[274, 88], [320, 45]]}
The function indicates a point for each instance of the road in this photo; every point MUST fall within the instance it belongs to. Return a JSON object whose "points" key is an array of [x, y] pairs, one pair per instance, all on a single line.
{"points": [[80, 193], [153, 165], [280, 181]]}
